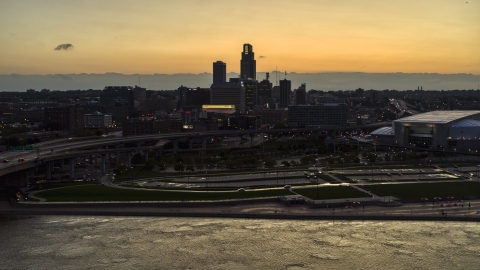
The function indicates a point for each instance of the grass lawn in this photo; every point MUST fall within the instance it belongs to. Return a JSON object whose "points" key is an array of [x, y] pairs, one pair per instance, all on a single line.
{"points": [[327, 193], [48, 185], [426, 190], [103, 193]]}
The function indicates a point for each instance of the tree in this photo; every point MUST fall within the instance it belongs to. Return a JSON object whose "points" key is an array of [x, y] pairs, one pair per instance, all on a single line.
{"points": [[179, 167], [189, 168], [269, 162], [286, 163]]}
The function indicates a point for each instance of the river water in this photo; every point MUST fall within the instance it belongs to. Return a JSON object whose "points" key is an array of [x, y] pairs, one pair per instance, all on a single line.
{"points": [[93, 242]]}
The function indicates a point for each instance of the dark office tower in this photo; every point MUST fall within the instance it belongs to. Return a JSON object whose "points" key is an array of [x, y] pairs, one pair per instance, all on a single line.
{"points": [[219, 72], [285, 92], [265, 89], [248, 65], [300, 94], [250, 93]]}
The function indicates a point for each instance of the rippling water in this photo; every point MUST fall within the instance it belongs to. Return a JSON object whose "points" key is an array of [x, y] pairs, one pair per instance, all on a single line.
{"points": [[77, 242]]}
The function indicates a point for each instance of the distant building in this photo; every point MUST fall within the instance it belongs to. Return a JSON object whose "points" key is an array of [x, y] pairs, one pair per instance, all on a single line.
{"points": [[69, 118], [250, 93], [226, 109], [144, 125], [285, 92], [264, 89], [248, 65], [300, 94], [320, 115], [197, 97], [97, 120], [228, 93], [139, 96], [219, 72], [118, 101], [271, 117]]}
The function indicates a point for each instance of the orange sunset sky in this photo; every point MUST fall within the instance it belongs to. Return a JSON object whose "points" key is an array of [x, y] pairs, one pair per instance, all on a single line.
{"points": [[187, 36]]}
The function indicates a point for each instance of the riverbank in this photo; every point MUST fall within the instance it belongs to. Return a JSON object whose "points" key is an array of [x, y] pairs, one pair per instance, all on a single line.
{"points": [[251, 210]]}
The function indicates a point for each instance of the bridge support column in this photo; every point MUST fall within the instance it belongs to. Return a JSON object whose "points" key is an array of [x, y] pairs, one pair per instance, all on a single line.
{"points": [[72, 168], [221, 141], [49, 169], [96, 159], [146, 157], [129, 159], [251, 139], [158, 152], [62, 164], [204, 144], [190, 144], [175, 147], [104, 157], [118, 156]]}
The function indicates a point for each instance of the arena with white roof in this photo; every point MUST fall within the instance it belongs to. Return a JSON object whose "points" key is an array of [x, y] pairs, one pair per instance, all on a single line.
{"points": [[449, 130]]}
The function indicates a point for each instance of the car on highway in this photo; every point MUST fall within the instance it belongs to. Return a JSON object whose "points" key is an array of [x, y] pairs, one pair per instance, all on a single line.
{"points": [[389, 174], [287, 186], [400, 174], [20, 159], [241, 190], [5, 160]]}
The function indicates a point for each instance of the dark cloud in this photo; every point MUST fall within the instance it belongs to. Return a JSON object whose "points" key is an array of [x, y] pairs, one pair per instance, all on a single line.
{"points": [[261, 57], [64, 47]]}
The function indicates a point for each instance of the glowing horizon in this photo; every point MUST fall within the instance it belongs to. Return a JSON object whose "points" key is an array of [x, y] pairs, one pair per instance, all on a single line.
{"points": [[186, 36]]}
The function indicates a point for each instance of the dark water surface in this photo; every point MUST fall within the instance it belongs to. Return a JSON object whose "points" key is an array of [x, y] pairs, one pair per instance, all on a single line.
{"points": [[78, 242]]}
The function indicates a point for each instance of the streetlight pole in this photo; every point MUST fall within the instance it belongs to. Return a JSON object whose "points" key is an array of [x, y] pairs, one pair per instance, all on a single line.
{"points": [[206, 180], [264, 170]]}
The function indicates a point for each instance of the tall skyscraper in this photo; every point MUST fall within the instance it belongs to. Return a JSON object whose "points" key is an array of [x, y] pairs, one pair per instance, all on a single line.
{"points": [[248, 65], [219, 72], [285, 92]]}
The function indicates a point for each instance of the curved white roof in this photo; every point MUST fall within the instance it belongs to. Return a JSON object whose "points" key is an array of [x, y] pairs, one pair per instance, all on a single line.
{"points": [[437, 117], [383, 131], [466, 123]]}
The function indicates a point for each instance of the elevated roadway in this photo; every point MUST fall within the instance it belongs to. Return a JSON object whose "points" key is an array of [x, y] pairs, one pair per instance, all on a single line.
{"points": [[72, 148]]}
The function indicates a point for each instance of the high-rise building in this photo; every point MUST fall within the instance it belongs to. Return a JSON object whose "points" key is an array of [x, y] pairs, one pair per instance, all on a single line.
{"points": [[300, 94], [285, 92], [248, 65], [118, 101], [250, 93], [219, 72], [265, 89], [228, 94]]}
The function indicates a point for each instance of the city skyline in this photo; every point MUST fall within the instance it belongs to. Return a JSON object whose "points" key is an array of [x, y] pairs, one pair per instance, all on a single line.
{"points": [[187, 36]]}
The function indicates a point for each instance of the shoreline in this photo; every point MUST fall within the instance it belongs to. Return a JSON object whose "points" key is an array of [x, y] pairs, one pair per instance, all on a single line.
{"points": [[253, 210]]}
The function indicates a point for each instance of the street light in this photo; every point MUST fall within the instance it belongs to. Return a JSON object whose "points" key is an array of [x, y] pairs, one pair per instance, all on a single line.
{"points": [[264, 170]]}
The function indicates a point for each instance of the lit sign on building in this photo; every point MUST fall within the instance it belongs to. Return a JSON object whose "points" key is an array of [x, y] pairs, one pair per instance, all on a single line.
{"points": [[218, 106]]}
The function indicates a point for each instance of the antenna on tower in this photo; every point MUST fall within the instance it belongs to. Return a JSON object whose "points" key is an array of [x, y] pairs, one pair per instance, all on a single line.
{"points": [[138, 80], [268, 75], [285, 75]]}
